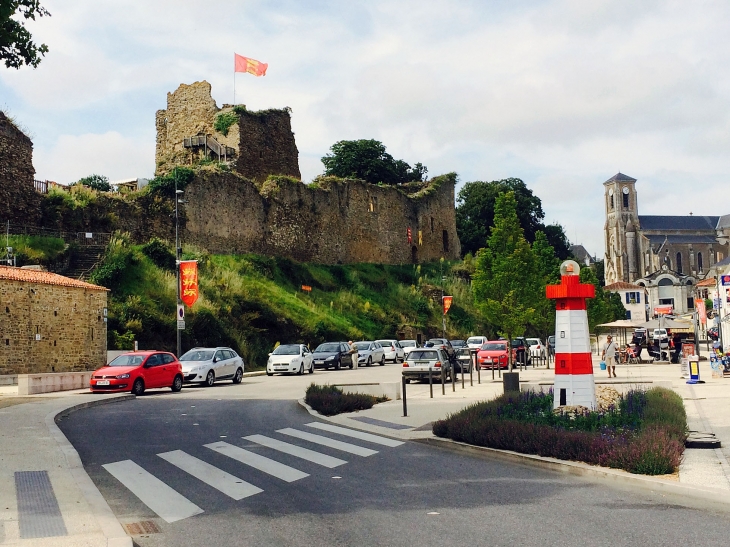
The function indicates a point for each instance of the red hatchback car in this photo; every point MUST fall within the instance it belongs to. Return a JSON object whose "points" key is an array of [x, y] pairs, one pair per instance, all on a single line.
{"points": [[138, 370], [493, 355]]}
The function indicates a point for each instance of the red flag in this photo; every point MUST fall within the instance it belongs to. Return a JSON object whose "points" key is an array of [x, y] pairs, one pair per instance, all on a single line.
{"points": [[252, 66], [189, 281], [447, 303]]}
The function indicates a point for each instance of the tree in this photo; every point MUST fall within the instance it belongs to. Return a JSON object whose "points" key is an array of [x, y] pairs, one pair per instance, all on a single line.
{"points": [[96, 182], [547, 268], [16, 43], [504, 278], [558, 240], [368, 160], [606, 306]]}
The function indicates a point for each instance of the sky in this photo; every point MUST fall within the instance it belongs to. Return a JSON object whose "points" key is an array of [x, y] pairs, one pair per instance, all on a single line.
{"points": [[560, 93]]}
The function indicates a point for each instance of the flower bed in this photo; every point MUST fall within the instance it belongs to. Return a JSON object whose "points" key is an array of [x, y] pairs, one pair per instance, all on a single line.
{"points": [[330, 400], [644, 433]]}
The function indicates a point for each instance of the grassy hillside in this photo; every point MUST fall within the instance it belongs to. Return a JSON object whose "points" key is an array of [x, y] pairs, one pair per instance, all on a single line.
{"points": [[250, 302]]}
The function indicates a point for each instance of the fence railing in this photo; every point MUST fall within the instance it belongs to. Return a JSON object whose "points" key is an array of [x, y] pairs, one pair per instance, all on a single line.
{"points": [[93, 238], [42, 186]]}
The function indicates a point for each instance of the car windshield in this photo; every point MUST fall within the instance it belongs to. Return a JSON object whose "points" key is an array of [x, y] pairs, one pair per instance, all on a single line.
{"points": [[476, 340], [494, 347], [464, 352], [518, 342], [422, 355], [407, 344], [439, 341], [385, 342], [197, 355], [458, 343], [532, 342], [127, 361], [288, 349], [362, 345], [327, 348]]}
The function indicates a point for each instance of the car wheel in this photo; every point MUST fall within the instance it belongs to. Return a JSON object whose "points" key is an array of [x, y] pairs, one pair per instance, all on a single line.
{"points": [[210, 378], [238, 377], [138, 387], [301, 369], [337, 365], [370, 362], [408, 380], [269, 373], [382, 361], [311, 368], [177, 384]]}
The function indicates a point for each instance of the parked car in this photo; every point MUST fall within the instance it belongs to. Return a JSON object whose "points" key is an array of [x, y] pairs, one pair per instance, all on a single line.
{"points": [[332, 354], [713, 333], [420, 360], [493, 354], [290, 358], [407, 346], [537, 348], [206, 365], [369, 353], [476, 342], [519, 352], [138, 371], [393, 350], [662, 337], [443, 344], [463, 360], [458, 344], [551, 344]]}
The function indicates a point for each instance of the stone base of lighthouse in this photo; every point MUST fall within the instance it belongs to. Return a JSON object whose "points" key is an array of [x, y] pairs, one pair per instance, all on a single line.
{"points": [[574, 389]]}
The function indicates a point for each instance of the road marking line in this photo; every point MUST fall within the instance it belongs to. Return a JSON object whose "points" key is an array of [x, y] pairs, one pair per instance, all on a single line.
{"points": [[217, 478], [272, 467], [377, 439], [155, 494], [326, 441], [294, 450]]}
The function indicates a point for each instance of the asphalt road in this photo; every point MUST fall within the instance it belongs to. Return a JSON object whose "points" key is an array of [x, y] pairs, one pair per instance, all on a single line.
{"points": [[410, 494]]}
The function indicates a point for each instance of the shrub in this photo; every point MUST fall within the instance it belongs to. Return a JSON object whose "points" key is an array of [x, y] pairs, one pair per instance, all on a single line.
{"points": [[330, 400], [645, 434], [159, 252], [165, 184], [224, 121]]}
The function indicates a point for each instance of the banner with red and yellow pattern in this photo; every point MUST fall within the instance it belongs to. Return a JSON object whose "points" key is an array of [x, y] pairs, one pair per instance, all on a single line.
{"points": [[447, 303], [189, 282], [252, 66]]}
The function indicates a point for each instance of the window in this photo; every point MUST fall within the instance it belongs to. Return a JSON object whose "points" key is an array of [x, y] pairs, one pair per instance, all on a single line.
{"points": [[699, 262], [610, 202], [628, 315], [679, 262], [633, 298], [626, 197], [690, 303], [432, 224], [167, 358], [446, 241]]}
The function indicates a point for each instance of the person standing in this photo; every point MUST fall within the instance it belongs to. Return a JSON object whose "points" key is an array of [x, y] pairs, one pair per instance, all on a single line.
{"points": [[354, 353], [609, 356]]}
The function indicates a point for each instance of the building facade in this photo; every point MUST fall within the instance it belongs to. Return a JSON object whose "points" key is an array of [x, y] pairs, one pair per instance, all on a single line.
{"points": [[50, 323], [633, 297]]}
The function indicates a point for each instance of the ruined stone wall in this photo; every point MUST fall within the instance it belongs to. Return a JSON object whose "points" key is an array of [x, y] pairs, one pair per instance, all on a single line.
{"points": [[267, 145], [68, 320], [341, 222], [19, 202]]}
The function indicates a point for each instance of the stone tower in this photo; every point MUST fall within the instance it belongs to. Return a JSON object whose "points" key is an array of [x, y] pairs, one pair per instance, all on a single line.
{"points": [[621, 229]]}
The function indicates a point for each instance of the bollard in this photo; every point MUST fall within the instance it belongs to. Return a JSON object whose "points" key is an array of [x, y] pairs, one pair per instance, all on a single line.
{"points": [[430, 381], [493, 369], [461, 366], [453, 380], [405, 407], [479, 375], [443, 381], [471, 369]]}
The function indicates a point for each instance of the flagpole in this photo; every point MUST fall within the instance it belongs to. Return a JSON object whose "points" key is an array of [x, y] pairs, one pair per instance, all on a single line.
{"points": [[234, 79]]}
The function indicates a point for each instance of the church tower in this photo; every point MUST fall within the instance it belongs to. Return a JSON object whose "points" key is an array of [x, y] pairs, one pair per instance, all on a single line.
{"points": [[621, 229]]}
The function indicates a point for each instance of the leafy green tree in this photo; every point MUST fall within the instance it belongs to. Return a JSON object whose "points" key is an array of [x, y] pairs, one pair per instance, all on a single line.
{"points": [[606, 306], [504, 277], [547, 267], [96, 182], [555, 235], [368, 160], [17, 47]]}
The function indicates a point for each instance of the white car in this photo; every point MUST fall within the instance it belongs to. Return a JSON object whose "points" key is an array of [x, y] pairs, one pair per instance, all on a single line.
{"points": [[369, 353], [290, 358], [393, 350], [476, 342], [537, 348], [408, 346], [206, 365]]}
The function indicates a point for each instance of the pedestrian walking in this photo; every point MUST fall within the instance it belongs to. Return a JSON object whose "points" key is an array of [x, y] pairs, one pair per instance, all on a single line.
{"points": [[354, 353], [609, 356]]}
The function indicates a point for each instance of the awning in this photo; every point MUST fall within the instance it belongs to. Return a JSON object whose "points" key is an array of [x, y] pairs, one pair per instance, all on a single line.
{"points": [[621, 324]]}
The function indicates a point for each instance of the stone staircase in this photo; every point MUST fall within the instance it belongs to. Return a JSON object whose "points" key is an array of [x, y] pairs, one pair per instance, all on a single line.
{"points": [[84, 260]]}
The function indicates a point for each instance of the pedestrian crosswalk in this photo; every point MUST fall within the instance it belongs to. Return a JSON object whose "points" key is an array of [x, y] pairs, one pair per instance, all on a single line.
{"points": [[172, 506]]}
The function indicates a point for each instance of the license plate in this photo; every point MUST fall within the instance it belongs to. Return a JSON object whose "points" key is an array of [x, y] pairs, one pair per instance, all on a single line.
{"points": [[319, 362], [102, 382]]}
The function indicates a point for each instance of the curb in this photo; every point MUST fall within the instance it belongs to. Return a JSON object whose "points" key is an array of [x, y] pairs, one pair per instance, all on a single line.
{"points": [[710, 498], [256, 373], [108, 523]]}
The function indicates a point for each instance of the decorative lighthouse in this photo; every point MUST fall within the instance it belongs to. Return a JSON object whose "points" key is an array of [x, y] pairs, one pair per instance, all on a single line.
{"points": [[574, 384]]}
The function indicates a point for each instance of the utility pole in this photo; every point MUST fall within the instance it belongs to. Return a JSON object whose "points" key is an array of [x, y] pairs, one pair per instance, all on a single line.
{"points": [[443, 317], [178, 193]]}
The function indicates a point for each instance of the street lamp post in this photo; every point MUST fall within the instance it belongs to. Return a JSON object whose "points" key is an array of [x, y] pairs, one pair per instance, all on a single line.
{"points": [[443, 317], [178, 193]]}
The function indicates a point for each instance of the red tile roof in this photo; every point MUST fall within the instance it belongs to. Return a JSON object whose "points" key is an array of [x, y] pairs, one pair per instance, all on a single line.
{"points": [[622, 286], [709, 282], [45, 278]]}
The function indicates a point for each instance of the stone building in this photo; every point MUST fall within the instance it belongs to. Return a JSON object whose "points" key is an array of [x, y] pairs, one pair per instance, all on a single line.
{"points": [[19, 202], [638, 246], [50, 323]]}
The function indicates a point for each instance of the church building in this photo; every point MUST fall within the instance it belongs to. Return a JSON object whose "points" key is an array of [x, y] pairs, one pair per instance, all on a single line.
{"points": [[667, 253]]}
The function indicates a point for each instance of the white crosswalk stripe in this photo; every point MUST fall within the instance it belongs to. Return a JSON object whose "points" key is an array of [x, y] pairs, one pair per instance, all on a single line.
{"points": [[155, 494], [217, 478], [272, 467], [294, 450], [326, 441], [355, 434]]}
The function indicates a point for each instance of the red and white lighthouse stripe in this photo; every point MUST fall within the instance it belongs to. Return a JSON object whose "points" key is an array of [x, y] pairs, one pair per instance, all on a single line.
{"points": [[574, 382]]}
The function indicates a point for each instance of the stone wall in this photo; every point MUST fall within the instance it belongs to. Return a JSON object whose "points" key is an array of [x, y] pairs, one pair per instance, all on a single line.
{"points": [[19, 202], [267, 145], [337, 222], [68, 320]]}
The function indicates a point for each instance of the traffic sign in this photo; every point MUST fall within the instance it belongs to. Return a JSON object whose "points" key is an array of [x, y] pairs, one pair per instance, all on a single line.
{"points": [[181, 324], [725, 280]]}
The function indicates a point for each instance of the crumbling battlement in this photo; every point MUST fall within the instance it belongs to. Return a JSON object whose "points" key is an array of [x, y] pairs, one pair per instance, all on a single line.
{"points": [[19, 202]]}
